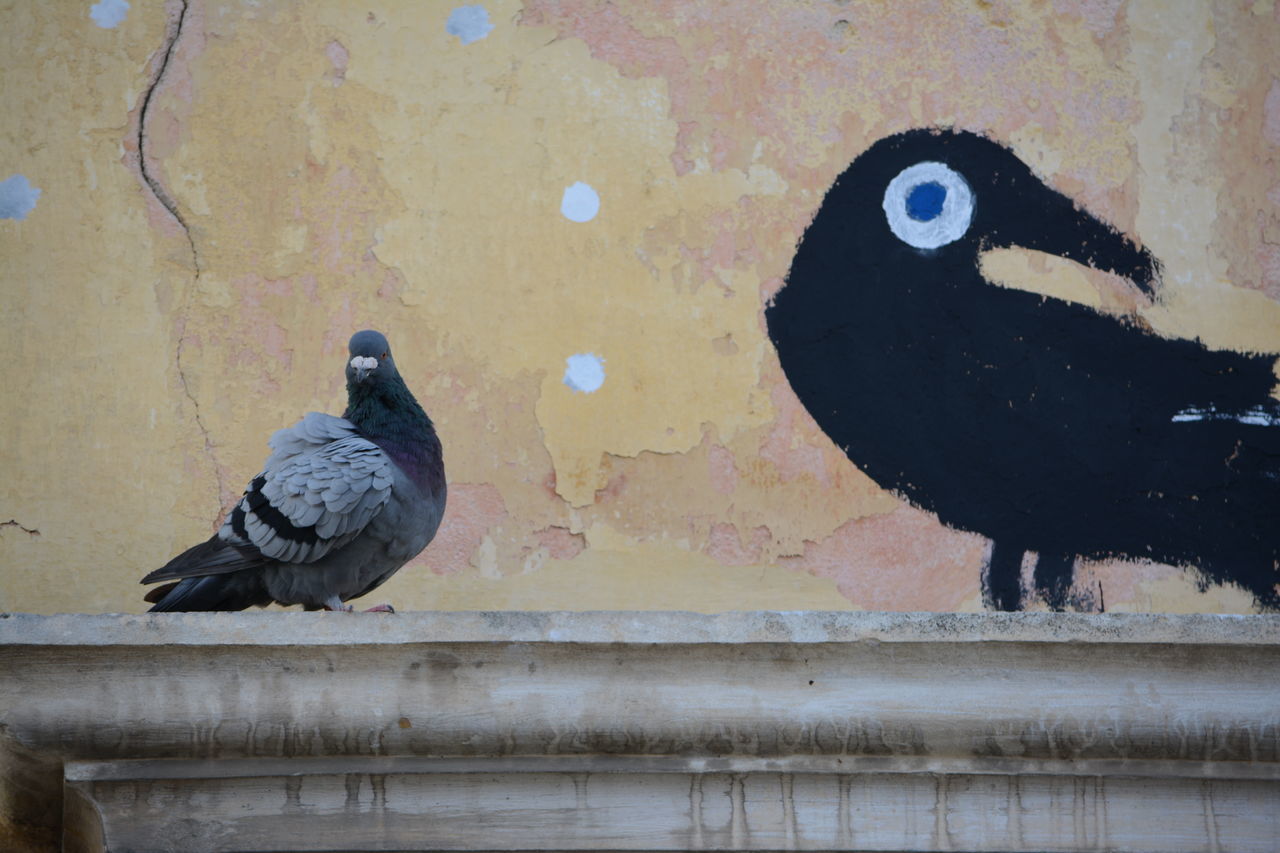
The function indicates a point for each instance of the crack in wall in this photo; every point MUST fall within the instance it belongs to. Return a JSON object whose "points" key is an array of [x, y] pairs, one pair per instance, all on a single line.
{"points": [[13, 522], [173, 32]]}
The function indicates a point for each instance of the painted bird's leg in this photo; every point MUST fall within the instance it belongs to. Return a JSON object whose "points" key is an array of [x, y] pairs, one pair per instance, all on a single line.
{"points": [[1002, 581], [1054, 573]]}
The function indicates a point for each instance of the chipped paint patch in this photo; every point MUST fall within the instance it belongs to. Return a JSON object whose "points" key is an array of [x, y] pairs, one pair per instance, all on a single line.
{"points": [[469, 23], [584, 372], [17, 197]]}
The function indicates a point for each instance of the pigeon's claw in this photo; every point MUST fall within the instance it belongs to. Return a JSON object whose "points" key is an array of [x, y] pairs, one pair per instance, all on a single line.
{"points": [[334, 605]]}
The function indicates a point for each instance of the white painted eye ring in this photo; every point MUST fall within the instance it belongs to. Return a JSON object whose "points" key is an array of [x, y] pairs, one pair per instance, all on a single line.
{"points": [[928, 205]]}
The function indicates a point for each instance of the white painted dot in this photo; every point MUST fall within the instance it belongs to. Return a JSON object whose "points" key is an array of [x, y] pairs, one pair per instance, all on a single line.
{"points": [[584, 372], [580, 203], [109, 14], [17, 197], [469, 23]]}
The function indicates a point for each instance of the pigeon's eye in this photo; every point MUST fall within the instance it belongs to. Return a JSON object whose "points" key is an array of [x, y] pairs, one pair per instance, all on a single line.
{"points": [[384, 355], [928, 205]]}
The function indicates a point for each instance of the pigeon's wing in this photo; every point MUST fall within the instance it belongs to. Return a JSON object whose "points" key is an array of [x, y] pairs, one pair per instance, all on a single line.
{"points": [[319, 488]]}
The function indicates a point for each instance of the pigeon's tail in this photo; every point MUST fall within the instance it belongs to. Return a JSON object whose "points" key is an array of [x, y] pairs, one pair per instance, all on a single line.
{"points": [[234, 591]]}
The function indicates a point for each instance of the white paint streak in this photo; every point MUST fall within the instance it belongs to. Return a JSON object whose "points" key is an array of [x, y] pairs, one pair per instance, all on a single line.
{"points": [[109, 14], [584, 372], [1252, 417], [469, 23], [948, 226], [580, 203], [17, 197]]}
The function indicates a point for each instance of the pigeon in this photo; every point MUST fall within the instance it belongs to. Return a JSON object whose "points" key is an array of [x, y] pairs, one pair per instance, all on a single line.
{"points": [[340, 505], [1055, 430]]}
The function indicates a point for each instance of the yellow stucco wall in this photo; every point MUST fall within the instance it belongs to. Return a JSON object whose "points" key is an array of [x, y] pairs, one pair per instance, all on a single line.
{"points": [[338, 166]]}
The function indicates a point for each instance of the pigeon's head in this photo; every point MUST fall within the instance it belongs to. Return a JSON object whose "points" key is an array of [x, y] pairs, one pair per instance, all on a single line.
{"points": [[369, 359], [949, 195]]}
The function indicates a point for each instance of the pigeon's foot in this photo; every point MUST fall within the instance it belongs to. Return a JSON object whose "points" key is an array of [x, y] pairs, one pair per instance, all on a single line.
{"points": [[335, 605]]}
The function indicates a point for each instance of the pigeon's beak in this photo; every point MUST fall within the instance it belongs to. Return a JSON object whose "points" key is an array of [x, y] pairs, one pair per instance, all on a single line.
{"points": [[1048, 221], [361, 366]]}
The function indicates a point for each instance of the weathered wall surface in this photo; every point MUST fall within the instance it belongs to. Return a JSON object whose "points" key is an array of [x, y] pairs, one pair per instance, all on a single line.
{"points": [[227, 190]]}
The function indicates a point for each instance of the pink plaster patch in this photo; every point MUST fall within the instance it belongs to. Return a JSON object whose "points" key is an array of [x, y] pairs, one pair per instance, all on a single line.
{"points": [[1120, 580], [768, 289], [903, 560], [310, 286], [338, 57], [1268, 256], [789, 443], [612, 38], [729, 84], [1271, 115], [275, 345], [341, 325], [726, 545], [610, 35], [560, 543], [721, 469], [473, 509], [251, 287], [1099, 16], [679, 157]]}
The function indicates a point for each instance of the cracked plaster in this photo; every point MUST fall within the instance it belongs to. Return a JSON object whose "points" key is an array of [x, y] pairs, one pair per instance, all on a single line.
{"points": [[229, 190]]}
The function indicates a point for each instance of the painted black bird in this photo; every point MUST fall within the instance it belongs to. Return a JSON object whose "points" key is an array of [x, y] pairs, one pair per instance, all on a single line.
{"points": [[1045, 425], [340, 505]]}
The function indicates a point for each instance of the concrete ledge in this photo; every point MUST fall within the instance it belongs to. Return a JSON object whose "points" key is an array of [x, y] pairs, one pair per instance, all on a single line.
{"points": [[262, 628], [640, 731]]}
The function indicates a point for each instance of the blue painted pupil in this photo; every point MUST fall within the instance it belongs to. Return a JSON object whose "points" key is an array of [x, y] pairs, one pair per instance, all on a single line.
{"points": [[924, 202]]}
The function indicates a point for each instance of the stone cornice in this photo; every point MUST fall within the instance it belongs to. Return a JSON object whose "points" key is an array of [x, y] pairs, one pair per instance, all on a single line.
{"points": [[1143, 706]]}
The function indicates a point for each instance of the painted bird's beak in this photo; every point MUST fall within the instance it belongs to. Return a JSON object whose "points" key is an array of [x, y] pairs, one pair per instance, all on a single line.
{"points": [[1048, 221]]}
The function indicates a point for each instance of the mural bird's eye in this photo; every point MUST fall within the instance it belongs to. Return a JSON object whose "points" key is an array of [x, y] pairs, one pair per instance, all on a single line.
{"points": [[928, 205]]}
